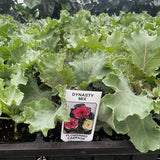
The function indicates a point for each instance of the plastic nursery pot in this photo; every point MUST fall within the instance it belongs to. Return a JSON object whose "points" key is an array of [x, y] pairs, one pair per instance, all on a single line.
{"points": [[96, 150]]}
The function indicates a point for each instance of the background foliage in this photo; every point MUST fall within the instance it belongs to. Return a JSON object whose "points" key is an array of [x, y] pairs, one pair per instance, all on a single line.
{"points": [[52, 8]]}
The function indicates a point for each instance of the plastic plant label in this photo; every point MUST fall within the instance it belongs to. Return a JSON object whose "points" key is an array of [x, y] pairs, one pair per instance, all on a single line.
{"points": [[83, 108]]}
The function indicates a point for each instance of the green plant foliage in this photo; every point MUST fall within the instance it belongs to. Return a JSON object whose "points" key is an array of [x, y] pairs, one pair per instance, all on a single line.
{"points": [[124, 99], [145, 49], [118, 55], [48, 75], [13, 96], [33, 92], [42, 115], [89, 67], [146, 135], [32, 3]]}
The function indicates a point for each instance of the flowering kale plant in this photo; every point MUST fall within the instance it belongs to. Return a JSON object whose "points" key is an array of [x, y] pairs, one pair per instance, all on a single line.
{"points": [[81, 120], [118, 55]]}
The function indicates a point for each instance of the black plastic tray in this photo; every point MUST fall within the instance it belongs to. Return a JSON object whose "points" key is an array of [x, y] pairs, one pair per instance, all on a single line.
{"points": [[101, 150]]}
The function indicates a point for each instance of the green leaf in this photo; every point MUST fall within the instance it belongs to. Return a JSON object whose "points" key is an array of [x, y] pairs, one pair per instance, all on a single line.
{"points": [[93, 42], [14, 95], [156, 92], [4, 52], [80, 20], [124, 99], [50, 41], [90, 67], [76, 39], [107, 115], [42, 115], [144, 133], [4, 30], [18, 118], [32, 3], [49, 35], [29, 58], [62, 94], [15, 43], [18, 48], [114, 41], [33, 92], [134, 72], [104, 126], [18, 76], [145, 51], [156, 105], [5, 73], [67, 76], [49, 67], [51, 23]]}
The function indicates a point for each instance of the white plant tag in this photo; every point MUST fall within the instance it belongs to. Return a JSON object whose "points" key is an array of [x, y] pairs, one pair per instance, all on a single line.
{"points": [[83, 108]]}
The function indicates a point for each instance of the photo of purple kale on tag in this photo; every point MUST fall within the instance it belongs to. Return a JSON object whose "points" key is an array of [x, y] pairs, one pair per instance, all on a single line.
{"points": [[81, 119]]}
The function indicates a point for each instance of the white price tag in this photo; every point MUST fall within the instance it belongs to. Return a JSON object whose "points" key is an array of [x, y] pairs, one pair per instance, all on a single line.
{"points": [[83, 108]]}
